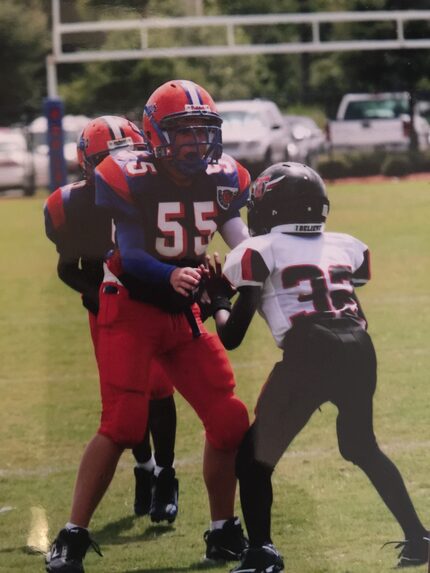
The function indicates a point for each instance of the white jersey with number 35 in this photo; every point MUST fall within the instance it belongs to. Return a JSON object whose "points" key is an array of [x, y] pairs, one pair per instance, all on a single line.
{"points": [[301, 276]]}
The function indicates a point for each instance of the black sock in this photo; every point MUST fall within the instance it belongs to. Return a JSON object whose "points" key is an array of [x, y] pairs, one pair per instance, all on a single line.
{"points": [[162, 424]]}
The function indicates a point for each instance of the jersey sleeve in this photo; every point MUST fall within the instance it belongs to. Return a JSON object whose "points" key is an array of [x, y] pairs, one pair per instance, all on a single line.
{"points": [[362, 274], [112, 189], [232, 188], [134, 259], [360, 258], [249, 264]]}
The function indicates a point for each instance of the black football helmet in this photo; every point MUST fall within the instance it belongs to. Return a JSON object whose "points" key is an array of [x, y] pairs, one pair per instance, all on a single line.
{"points": [[291, 196]]}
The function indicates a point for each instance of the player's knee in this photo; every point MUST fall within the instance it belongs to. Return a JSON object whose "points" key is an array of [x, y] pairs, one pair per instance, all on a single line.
{"points": [[357, 451], [226, 423], [126, 422], [246, 463]]}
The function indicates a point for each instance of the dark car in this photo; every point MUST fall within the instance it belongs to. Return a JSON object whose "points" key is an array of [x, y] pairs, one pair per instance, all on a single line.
{"points": [[306, 139]]}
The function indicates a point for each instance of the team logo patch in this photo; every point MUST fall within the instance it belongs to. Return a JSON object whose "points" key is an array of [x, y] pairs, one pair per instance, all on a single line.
{"points": [[225, 196]]}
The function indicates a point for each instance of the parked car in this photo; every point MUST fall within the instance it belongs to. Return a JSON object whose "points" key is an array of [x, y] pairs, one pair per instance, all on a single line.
{"points": [[307, 140], [253, 132], [72, 127], [372, 121], [16, 162]]}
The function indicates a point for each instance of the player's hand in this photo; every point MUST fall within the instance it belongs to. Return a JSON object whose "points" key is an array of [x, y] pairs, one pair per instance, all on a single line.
{"points": [[185, 280], [216, 284]]}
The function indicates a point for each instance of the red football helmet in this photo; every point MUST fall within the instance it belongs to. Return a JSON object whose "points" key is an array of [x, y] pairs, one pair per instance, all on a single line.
{"points": [[181, 106], [103, 135]]}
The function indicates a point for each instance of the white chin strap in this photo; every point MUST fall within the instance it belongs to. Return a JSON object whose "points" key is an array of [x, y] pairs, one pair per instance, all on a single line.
{"points": [[299, 228]]}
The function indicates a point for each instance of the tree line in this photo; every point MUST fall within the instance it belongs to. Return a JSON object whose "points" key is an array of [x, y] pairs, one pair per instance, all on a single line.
{"points": [[310, 81]]}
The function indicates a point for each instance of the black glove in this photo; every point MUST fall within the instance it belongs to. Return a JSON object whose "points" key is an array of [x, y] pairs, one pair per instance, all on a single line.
{"points": [[217, 286], [90, 300]]}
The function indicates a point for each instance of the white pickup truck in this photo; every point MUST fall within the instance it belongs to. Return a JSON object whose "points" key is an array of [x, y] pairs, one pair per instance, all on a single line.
{"points": [[376, 121]]}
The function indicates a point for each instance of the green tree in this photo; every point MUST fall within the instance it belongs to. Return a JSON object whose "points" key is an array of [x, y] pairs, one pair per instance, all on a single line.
{"points": [[24, 43]]}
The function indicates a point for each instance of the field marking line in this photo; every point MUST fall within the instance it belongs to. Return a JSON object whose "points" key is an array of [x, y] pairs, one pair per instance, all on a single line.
{"points": [[37, 540]]}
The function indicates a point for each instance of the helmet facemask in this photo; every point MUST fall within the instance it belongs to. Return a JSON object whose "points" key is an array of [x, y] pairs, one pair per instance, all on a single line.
{"points": [[190, 143]]}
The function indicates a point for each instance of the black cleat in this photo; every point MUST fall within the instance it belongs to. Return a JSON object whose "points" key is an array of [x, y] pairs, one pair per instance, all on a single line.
{"points": [[227, 543], [68, 550], [165, 493], [413, 552], [142, 491], [263, 559]]}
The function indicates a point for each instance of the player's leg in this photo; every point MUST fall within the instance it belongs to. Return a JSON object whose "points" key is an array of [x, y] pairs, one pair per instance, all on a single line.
{"points": [[203, 375], [143, 470], [357, 442], [162, 425], [284, 407], [96, 470], [121, 352]]}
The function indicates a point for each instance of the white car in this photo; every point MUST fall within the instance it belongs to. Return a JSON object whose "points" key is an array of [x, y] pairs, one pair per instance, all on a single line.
{"points": [[72, 127], [16, 162], [253, 132]]}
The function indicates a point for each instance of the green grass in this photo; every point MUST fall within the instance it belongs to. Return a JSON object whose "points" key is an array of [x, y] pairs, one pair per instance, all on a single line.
{"points": [[326, 516]]}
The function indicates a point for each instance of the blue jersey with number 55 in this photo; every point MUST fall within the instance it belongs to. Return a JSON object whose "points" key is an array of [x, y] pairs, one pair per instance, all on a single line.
{"points": [[158, 220]]}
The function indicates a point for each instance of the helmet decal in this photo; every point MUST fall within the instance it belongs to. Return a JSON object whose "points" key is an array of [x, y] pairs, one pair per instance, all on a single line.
{"points": [[194, 98], [290, 198]]}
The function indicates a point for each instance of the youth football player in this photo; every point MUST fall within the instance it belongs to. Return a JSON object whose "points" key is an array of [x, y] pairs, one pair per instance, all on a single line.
{"points": [[166, 204], [302, 280], [82, 234]]}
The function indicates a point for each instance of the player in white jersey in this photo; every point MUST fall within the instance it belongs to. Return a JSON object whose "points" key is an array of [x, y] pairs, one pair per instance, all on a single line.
{"points": [[301, 279]]}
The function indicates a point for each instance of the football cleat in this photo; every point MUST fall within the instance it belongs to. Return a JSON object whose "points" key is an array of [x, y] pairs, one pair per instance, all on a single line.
{"points": [[142, 491], [165, 493], [68, 550], [263, 559], [227, 543], [413, 552]]}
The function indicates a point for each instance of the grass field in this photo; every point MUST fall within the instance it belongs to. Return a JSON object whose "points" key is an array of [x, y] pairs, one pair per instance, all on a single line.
{"points": [[326, 517]]}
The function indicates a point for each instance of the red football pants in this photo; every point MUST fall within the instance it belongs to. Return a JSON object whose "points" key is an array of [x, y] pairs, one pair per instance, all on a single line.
{"points": [[161, 385], [130, 335]]}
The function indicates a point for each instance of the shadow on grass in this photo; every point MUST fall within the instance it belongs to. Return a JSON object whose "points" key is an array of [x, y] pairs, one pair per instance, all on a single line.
{"points": [[198, 566], [112, 532]]}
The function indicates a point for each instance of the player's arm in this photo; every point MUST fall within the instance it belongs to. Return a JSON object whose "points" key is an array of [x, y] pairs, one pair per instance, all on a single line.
{"points": [[234, 231], [231, 322], [232, 325], [72, 275], [136, 261]]}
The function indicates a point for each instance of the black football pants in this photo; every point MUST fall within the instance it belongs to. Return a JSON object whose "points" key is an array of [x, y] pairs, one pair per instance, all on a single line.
{"points": [[330, 361]]}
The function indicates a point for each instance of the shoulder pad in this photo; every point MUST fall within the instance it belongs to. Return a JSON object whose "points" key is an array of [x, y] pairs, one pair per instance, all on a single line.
{"points": [[113, 175], [54, 207], [243, 176]]}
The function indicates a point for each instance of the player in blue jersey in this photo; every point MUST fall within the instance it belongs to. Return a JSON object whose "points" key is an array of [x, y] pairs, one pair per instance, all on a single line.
{"points": [[82, 234], [301, 279], [166, 204]]}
